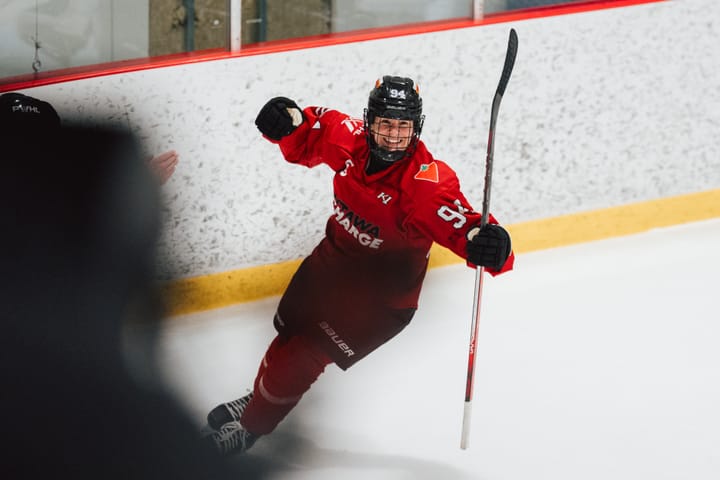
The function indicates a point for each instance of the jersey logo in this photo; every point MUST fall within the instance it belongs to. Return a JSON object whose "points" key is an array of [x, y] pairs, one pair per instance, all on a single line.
{"points": [[354, 125], [428, 172], [364, 232], [384, 198]]}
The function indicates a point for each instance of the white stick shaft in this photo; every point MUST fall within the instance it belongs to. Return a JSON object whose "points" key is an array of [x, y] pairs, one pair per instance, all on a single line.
{"points": [[472, 350], [465, 438]]}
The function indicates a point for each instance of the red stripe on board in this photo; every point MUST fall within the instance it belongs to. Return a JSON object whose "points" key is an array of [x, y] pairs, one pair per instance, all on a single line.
{"points": [[112, 68]]}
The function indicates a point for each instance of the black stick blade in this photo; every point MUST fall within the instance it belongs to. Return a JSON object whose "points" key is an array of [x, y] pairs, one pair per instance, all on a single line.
{"points": [[509, 62]]}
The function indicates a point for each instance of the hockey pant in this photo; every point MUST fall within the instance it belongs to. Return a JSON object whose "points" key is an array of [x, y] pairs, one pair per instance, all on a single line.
{"points": [[288, 369]]}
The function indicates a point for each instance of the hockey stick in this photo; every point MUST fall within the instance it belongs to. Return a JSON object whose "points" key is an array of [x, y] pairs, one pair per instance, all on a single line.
{"points": [[504, 78]]}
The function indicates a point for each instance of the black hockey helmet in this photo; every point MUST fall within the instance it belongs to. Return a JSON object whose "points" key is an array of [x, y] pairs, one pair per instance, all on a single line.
{"points": [[396, 98]]}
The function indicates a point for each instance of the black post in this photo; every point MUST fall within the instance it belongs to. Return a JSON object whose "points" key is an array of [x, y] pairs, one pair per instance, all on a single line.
{"points": [[189, 25]]}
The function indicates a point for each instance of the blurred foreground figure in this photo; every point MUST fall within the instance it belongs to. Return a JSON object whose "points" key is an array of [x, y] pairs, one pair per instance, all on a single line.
{"points": [[80, 214], [24, 113]]}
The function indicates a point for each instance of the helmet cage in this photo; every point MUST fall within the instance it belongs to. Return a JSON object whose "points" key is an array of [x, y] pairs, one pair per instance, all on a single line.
{"points": [[395, 98]]}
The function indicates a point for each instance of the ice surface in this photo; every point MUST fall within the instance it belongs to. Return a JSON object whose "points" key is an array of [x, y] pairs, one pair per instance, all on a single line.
{"points": [[595, 361]]}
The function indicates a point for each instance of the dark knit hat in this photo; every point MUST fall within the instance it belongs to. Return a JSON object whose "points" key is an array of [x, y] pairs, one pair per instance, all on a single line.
{"points": [[22, 113]]}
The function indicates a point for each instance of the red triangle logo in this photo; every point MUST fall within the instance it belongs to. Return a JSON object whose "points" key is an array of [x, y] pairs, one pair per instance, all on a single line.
{"points": [[428, 172]]}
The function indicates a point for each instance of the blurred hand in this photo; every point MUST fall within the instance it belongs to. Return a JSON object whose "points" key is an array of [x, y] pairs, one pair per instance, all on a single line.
{"points": [[163, 165]]}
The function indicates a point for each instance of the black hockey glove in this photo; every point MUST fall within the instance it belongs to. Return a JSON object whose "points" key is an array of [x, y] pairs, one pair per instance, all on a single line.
{"points": [[488, 246], [279, 117]]}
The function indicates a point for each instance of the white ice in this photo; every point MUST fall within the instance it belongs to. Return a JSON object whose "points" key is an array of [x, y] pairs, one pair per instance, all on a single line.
{"points": [[595, 361]]}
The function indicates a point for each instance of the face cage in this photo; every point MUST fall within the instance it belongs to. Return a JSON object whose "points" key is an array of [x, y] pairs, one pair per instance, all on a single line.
{"points": [[392, 156]]}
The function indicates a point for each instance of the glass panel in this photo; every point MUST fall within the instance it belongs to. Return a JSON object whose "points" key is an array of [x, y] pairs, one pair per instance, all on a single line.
{"points": [[265, 20], [46, 35], [493, 6], [172, 32], [53, 34], [354, 15]]}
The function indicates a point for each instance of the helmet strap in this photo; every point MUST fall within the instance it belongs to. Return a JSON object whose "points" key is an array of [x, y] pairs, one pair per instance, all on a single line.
{"points": [[376, 164]]}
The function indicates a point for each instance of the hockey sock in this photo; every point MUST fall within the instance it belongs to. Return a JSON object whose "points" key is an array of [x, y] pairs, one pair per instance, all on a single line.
{"points": [[288, 370]]}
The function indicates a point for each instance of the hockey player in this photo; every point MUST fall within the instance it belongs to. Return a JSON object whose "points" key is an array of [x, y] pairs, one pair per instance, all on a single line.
{"points": [[360, 285]]}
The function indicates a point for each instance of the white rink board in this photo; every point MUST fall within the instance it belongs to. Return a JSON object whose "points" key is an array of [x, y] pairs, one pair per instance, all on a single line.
{"points": [[604, 108]]}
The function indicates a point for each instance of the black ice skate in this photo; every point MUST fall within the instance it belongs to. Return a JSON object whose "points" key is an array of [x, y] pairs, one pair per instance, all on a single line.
{"points": [[228, 412], [232, 438]]}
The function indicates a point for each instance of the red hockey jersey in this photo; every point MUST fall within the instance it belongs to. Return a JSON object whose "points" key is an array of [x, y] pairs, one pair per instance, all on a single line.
{"points": [[361, 284]]}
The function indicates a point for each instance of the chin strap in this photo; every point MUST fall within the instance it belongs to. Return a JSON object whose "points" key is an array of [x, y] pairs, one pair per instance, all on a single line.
{"points": [[375, 164]]}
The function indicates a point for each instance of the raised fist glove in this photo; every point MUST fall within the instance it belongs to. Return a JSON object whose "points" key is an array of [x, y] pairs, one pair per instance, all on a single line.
{"points": [[279, 117], [488, 246]]}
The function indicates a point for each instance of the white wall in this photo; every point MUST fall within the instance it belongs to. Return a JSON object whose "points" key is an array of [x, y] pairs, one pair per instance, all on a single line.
{"points": [[604, 108]]}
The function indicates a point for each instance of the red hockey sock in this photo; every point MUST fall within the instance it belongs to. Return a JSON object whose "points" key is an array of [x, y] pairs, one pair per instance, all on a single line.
{"points": [[277, 342], [289, 368]]}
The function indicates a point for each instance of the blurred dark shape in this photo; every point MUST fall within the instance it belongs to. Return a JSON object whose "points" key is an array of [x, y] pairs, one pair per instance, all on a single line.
{"points": [[80, 218]]}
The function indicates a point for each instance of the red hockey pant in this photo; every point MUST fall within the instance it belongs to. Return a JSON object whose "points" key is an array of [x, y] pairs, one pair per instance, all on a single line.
{"points": [[290, 366]]}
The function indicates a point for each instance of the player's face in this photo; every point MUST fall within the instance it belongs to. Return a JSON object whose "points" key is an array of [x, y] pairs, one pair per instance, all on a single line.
{"points": [[392, 134]]}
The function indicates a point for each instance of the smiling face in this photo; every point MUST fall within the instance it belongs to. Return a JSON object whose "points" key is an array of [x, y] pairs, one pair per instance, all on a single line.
{"points": [[392, 134]]}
